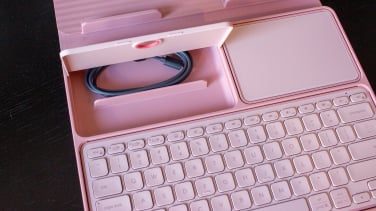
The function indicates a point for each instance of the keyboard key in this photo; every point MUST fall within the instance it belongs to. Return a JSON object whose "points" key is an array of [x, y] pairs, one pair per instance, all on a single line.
{"points": [[114, 204], [218, 142], [272, 151], [291, 146], [133, 181], [340, 155], [119, 163], [294, 126], [220, 203], [107, 186], [153, 177], [184, 191], [244, 178], [358, 97], [319, 181], [233, 124], [116, 148], [355, 112], [308, 108], [175, 136], [252, 120], [237, 138], [338, 176], [312, 122], [372, 185], [261, 195], [253, 155], [214, 163], [139, 159], [136, 144], [303, 164], [159, 155], [365, 129], [275, 130], [142, 200], [214, 128], [284, 168], [361, 197], [98, 168], [328, 138], [320, 202], [321, 160], [270, 116], [164, 196], [156, 140], [179, 151], [194, 168], [362, 170], [205, 186], [280, 190], [174, 172], [256, 134], [300, 186], [323, 105], [340, 198], [329, 118], [234, 159], [195, 132], [288, 112], [340, 101], [96, 152], [264, 173], [309, 142], [225, 182], [201, 205], [241, 200], [199, 147], [345, 134]]}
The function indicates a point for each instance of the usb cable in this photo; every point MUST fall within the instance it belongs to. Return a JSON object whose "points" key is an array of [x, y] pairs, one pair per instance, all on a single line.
{"points": [[183, 64]]}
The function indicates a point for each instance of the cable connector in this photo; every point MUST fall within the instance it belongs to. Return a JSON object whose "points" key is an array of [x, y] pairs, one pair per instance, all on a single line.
{"points": [[170, 61]]}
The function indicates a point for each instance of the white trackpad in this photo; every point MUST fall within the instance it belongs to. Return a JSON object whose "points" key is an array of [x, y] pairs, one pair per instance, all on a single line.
{"points": [[289, 54]]}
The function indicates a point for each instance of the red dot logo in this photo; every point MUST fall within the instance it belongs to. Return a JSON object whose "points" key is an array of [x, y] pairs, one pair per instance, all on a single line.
{"points": [[147, 44]]}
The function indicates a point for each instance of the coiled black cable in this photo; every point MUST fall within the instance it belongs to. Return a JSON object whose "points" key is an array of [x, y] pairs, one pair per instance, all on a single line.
{"points": [[183, 64]]}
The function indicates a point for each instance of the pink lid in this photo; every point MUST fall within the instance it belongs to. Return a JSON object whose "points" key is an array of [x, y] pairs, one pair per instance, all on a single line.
{"points": [[83, 22], [146, 46]]}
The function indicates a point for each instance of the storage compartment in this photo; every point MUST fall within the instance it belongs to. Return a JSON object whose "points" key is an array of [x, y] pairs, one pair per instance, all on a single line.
{"points": [[206, 90]]}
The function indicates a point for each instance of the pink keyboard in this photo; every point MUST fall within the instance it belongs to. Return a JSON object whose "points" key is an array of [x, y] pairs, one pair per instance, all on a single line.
{"points": [[316, 153]]}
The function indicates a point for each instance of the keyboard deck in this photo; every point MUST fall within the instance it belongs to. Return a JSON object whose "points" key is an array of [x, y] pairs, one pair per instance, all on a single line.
{"points": [[316, 153]]}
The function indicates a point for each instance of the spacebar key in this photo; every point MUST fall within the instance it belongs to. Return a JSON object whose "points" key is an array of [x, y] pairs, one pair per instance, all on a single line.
{"points": [[299, 204]]}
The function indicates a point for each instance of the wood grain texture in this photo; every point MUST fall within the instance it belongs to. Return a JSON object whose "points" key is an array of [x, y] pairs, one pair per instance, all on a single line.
{"points": [[37, 163]]}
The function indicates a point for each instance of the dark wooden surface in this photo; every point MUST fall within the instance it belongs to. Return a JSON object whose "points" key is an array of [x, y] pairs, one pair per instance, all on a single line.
{"points": [[37, 163]]}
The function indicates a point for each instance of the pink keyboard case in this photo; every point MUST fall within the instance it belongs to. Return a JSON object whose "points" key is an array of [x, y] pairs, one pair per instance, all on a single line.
{"points": [[224, 78]]}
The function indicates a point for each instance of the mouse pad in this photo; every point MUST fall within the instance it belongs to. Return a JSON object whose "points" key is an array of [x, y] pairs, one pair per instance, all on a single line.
{"points": [[289, 54]]}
